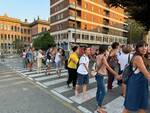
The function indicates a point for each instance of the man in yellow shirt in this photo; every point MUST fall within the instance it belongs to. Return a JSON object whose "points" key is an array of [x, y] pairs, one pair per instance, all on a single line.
{"points": [[72, 66]]}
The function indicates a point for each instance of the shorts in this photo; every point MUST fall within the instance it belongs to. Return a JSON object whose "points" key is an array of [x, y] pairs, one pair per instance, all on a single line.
{"points": [[48, 62], [82, 79], [58, 65], [29, 61]]}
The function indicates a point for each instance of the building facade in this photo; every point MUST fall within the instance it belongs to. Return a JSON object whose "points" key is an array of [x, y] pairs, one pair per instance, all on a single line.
{"points": [[38, 27], [87, 22], [12, 29]]}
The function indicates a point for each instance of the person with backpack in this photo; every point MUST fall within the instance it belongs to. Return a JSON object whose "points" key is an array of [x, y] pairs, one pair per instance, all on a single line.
{"points": [[123, 60], [113, 63], [137, 92], [72, 66], [83, 73], [48, 60], [101, 68]]}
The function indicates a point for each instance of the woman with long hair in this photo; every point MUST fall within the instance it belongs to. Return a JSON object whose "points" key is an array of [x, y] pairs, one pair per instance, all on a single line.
{"points": [[136, 98], [101, 67]]}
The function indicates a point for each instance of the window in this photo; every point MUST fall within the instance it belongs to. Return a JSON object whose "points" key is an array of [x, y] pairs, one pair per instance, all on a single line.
{"points": [[5, 37], [92, 19], [2, 36], [12, 37], [85, 27], [25, 39], [8, 37], [15, 28], [21, 38], [92, 38], [12, 28], [21, 30], [62, 16], [29, 31], [2, 46], [86, 5], [25, 31], [28, 39], [92, 8]]}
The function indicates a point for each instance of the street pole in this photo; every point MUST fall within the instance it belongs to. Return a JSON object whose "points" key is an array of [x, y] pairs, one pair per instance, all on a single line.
{"points": [[75, 21]]}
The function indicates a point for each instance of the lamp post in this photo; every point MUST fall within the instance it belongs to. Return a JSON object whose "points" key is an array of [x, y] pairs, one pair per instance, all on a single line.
{"points": [[75, 37]]}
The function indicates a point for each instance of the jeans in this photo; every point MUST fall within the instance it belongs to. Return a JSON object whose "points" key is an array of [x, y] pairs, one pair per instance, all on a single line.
{"points": [[100, 89]]}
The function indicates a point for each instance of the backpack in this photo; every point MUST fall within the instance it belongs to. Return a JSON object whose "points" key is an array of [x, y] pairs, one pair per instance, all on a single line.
{"points": [[128, 71]]}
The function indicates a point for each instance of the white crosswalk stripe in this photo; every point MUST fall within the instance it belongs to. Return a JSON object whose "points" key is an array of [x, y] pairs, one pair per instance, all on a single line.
{"points": [[64, 88], [49, 77]]}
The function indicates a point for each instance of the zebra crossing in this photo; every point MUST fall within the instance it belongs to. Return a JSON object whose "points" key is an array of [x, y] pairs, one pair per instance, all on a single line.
{"points": [[58, 87]]}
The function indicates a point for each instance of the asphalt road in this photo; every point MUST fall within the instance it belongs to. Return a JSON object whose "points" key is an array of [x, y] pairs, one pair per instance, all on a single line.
{"points": [[19, 95]]}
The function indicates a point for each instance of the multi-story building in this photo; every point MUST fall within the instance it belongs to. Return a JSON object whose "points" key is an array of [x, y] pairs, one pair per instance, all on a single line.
{"points": [[87, 22], [12, 29], [38, 27]]}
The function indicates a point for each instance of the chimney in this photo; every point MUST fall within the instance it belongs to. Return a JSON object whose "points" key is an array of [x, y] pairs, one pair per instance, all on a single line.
{"points": [[26, 20]]}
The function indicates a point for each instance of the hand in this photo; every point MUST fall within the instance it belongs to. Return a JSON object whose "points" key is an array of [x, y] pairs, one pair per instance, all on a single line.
{"points": [[118, 77]]}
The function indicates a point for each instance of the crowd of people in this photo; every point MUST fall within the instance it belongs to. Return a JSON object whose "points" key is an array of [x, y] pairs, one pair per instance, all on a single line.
{"points": [[105, 61]]}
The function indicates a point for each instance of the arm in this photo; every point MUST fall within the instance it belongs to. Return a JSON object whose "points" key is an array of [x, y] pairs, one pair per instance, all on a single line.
{"points": [[110, 69], [73, 61], [138, 62]]}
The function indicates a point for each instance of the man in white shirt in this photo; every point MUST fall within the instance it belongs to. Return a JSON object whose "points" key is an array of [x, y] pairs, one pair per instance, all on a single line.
{"points": [[83, 71]]}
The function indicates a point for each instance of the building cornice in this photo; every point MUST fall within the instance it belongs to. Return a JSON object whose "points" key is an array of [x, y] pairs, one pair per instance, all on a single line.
{"points": [[9, 19]]}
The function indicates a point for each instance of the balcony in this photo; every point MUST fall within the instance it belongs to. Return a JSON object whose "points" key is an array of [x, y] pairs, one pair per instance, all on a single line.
{"points": [[106, 13], [76, 5], [105, 30], [106, 21]]}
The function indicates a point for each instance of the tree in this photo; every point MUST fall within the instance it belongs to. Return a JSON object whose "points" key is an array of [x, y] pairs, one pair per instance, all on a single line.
{"points": [[137, 10], [135, 31], [18, 45], [43, 41]]}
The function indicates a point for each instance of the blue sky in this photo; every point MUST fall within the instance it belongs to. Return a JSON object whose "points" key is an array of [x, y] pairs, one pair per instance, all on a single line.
{"points": [[22, 9]]}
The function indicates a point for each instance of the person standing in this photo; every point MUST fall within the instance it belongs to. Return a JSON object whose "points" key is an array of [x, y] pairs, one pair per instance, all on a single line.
{"points": [[29, 57], [83, 73], [72, 66], [58, 61], [137, 93], [24, 59], [101, 67], [39, 61], [113, 62], [124, 59], [48, 60]]}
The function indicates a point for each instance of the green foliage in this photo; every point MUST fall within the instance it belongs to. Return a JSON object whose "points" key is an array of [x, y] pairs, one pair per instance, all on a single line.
{"points": [[135, 31], [137, 10], [18, 45], [44, 41]]}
